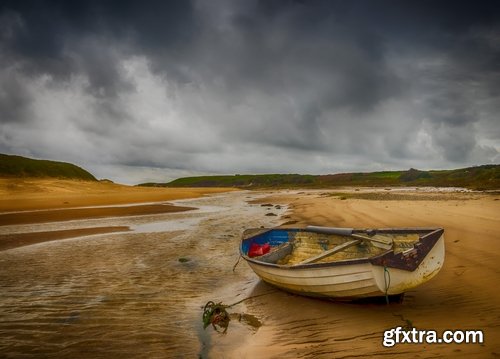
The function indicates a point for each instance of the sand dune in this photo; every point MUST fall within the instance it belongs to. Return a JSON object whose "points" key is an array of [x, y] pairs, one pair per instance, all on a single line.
{"points": [[33, 194]]}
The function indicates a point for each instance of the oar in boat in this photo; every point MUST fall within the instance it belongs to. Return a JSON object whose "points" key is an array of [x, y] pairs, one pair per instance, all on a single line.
{"points": [[377, 241]]}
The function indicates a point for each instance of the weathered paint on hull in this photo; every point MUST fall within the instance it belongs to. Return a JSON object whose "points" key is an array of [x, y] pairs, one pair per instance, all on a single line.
{"points": [[352, 280], [402, 280]]}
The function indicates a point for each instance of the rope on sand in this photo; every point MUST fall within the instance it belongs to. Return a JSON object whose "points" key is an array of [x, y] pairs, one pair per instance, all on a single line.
{"points": [[236, 264], [217, 315]]}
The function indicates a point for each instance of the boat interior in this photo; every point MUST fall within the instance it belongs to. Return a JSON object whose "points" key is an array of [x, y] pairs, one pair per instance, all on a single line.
{"points": [[298, 247]]}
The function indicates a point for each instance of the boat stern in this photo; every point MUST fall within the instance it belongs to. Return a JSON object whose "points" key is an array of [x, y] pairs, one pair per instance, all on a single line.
{"points": [[392, 280]]}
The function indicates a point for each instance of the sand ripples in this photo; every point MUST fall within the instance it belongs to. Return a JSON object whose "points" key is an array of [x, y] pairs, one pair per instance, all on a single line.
{"points": [[123, 294]]}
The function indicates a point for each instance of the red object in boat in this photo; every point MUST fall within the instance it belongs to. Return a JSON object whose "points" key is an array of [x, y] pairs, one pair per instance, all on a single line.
{"points": [[258, 249]]}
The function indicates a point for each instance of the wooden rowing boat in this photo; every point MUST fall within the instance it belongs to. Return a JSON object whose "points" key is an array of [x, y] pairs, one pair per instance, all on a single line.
{"points": [[344, 263]]}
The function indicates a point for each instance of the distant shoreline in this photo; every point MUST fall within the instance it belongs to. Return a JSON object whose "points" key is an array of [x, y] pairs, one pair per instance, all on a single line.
{"points": [[485, 177]]}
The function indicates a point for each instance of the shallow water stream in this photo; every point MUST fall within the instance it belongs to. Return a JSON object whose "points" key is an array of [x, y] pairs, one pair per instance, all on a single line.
{"points": [[136, 294]]}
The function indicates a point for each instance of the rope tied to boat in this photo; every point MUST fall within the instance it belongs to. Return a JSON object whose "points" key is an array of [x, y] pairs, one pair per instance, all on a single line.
{"points": [[237, 262], [387, 283]]}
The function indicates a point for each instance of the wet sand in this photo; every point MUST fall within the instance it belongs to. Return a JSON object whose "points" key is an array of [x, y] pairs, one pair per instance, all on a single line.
{"points": [[14, 240], [140, 293], [57, 215], [136, 294]]}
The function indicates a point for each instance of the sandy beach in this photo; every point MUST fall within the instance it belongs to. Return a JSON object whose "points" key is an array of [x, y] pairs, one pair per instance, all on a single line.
{"points": [[113, 293], [463, 295], [26, 194], [157, 159]]}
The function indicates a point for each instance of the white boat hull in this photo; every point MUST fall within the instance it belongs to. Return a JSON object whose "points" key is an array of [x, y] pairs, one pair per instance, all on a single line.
{"points": [[359, 280]]}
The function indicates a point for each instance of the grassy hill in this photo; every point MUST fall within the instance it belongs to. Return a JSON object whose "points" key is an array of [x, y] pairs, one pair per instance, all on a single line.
{"points": [[269, 180], [17, 166], [480, 177]]}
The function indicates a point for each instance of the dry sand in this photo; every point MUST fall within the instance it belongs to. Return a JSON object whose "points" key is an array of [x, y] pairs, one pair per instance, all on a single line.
{"points": [[464, 295], [35, 194]]}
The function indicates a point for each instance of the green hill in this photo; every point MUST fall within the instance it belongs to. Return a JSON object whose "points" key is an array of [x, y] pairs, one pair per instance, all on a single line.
{"points": [[480, 177], [269, 180], [17, 166], [485, 177]]}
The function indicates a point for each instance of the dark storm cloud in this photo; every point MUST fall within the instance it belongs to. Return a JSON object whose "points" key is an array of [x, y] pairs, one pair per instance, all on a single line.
{"points": [[234, 86], [13, 99]]}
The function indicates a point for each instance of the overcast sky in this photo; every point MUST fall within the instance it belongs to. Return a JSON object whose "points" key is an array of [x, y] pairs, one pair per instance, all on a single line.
{"points": [[139, 91]]}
